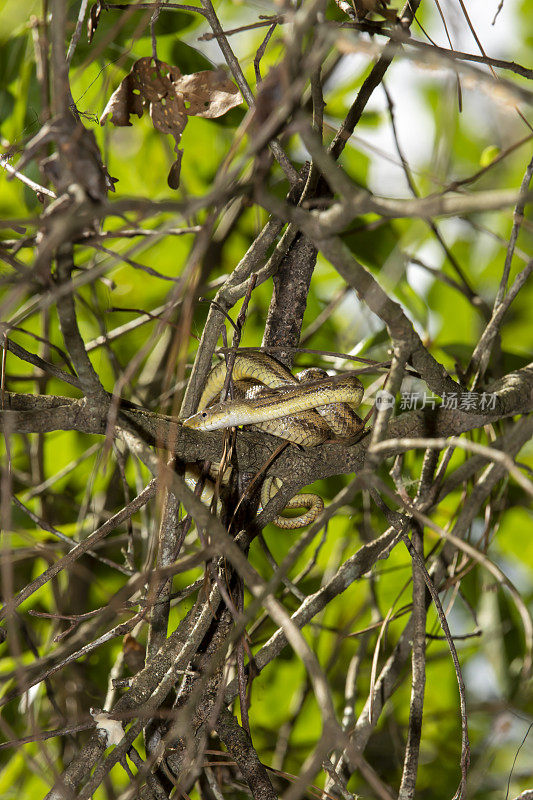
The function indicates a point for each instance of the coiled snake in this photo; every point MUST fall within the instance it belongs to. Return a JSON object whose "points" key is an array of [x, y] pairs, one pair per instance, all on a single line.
{"points": [[307, 410]]}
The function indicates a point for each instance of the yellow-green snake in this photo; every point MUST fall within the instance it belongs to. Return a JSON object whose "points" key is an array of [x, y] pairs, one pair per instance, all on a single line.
{"points": [[307, 410]]}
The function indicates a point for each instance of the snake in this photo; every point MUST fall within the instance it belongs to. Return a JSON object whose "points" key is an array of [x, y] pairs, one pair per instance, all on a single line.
{"points": [[307, 410]]}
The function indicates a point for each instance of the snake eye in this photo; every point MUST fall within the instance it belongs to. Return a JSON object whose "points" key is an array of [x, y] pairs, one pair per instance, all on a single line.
{"points": [[204, 414]]}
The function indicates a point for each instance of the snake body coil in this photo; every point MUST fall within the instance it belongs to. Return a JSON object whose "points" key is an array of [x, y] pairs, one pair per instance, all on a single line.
{"points": [[307, 411]]}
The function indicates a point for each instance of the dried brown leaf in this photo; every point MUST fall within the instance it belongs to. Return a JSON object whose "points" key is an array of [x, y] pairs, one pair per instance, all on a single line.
{"points": [[170, 98], [168, 115], [122, 103], [208, 94], [92, 22], [149, 84], [173, 179], [155, 82]]}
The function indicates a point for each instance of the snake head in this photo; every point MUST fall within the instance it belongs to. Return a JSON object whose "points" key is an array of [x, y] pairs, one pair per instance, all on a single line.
{"points": [[196, 422], [220, 415]]}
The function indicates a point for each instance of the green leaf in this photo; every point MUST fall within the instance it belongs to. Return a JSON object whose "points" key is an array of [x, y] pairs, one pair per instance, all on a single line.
{"points": [[187, 58], [7, 104], [372, 246], [12, 55], [488, 155]]}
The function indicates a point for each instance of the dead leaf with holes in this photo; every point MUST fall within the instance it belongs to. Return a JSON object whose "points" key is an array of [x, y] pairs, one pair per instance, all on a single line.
{"points": [[208, 94], [170, 98]]}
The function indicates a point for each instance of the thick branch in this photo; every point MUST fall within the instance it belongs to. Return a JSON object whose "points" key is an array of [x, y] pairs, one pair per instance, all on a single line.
{"points": [[241, 748], [34, 414]]}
